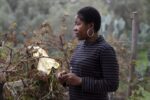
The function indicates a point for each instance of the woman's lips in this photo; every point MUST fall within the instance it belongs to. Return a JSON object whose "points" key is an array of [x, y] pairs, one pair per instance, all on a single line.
{"points": [[75, 34]]}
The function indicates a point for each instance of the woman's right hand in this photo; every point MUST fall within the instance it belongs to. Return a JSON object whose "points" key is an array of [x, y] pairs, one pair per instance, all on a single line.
{"points": [[60, 77]]}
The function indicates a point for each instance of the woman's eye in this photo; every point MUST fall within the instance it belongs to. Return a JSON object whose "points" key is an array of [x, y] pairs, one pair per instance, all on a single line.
{"points": [[78, 23]]}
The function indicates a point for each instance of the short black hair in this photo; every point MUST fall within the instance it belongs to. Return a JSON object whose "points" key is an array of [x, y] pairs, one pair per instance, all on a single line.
{"points": [[89, 14]]}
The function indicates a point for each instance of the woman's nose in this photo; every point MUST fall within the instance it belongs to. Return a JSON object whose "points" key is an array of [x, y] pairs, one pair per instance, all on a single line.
{"points": [[74, 28]]}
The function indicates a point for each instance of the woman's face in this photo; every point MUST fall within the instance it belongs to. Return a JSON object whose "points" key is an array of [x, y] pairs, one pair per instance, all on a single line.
{"points": [[80, 29]]}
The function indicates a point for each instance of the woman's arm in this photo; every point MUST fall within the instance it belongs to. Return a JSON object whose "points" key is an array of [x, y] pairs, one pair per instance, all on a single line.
{"points": [[110, 70]]}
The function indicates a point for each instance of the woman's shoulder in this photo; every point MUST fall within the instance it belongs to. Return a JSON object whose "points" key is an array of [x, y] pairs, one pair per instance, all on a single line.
{"points": [[104, 45]]}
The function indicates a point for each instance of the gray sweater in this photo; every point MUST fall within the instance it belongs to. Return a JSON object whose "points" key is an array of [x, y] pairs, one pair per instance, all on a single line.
{"points": [[97, 65]]}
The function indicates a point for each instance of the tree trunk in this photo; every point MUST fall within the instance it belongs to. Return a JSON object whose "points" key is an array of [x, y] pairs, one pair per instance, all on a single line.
{"points": [[135, 29]]}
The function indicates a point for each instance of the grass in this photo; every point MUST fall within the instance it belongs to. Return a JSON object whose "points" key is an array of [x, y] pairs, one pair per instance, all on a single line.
{"points": [[142, 62]]}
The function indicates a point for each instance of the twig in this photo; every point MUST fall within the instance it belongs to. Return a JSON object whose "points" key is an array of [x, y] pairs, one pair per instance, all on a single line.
{"points": [[24, 84], [64, 51], [10, 55]]}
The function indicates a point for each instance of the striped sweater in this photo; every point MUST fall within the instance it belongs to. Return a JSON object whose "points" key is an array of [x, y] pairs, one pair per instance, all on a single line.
{"points": [[97, 65]]}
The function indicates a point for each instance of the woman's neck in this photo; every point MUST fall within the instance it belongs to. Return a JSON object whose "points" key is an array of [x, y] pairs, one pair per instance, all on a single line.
{"points": [[92, 39]]}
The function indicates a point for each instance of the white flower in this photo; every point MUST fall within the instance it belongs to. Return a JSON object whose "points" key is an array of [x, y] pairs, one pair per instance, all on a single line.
{"points": [[45, 64]]}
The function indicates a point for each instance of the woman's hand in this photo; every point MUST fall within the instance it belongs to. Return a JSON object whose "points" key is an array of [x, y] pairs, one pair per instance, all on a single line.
{"points": [[72, 79], [61, 78]]}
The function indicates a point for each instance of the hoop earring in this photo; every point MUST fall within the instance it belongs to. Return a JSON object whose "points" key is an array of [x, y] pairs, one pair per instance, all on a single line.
{"points": [[90, 33]]}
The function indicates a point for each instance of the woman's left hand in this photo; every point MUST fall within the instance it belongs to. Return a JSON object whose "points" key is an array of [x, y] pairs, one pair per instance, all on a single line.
{"points": [[72, 79]]}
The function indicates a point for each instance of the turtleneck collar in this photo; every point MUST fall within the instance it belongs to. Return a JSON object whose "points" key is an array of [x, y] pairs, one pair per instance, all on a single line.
{"points": [[98, 39]]}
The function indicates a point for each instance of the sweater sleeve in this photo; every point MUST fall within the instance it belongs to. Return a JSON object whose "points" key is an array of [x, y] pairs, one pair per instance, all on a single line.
{"points": [[110, 71]]}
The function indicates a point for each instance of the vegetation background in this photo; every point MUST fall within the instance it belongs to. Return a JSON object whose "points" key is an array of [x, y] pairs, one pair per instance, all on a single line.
{"points": [[49, 24]]}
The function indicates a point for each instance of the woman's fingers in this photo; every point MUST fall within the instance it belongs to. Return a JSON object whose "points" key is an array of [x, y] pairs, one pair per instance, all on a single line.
{"points": [[69, 78], [72, 79], [60, 78], [60, 74]]}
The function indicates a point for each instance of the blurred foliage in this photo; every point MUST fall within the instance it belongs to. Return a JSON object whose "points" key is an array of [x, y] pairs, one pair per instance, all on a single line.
{"points": [[140, 94], [140, 82], [18, 64], [116, 15], [142, 62]]}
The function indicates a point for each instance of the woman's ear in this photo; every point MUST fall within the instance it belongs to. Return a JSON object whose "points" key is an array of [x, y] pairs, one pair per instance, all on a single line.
{"points": [[91, 25]]}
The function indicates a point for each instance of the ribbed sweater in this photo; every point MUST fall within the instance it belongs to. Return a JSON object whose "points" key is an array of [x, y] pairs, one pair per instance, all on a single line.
{"points": [[97, 65]]}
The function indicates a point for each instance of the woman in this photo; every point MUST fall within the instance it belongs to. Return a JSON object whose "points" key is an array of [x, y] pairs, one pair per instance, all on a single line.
{"points": [[94, 68]]}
